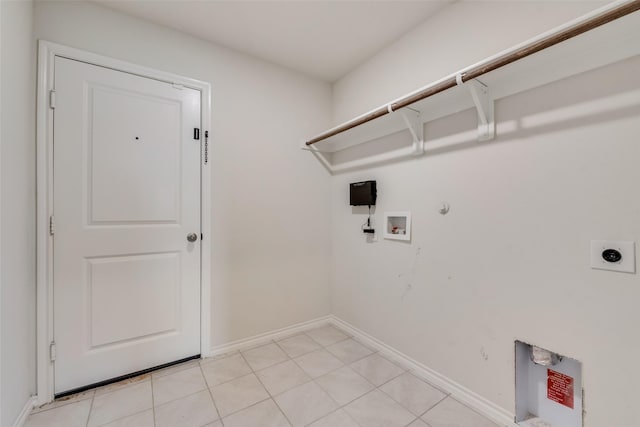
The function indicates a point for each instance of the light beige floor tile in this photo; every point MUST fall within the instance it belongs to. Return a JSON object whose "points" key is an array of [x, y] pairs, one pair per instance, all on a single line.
{"points": [[238, 394], [216, 424], [318, 363], [122, 384], [177, 385], [175, 368], [192, 411], [282, 377], [326, 335], [349, 350], [305, 404], [418, 423], [338, 418], [65, 401], [413, 393], [141, 419], [223, 370], [376, 369], [263, 414], [264, 356], [120, 403], [71, 415], [298, 345], [344, 385], [376, 409], [451, 413]]}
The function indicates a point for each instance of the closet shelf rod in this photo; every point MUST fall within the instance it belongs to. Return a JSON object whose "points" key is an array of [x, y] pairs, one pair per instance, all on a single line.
{"points": [[608, 14]]}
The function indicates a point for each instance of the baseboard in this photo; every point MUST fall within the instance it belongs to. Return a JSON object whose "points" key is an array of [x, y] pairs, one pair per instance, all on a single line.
{"points": [[457, 391], [267, 336], [26, 410]]}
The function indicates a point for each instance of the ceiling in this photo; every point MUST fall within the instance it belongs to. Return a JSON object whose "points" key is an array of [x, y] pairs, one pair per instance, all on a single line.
{"points": [[323, 39]]}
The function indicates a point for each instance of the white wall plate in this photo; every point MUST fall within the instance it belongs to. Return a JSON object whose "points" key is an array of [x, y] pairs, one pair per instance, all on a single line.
{"points": [[625, 249]]}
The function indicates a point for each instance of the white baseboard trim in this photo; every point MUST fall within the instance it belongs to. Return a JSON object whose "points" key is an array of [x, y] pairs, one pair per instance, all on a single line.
{"points": [[267, 336], [26, 410], [457, 391]]}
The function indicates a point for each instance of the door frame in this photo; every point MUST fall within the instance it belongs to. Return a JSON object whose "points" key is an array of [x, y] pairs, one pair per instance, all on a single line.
{"points": [[47, 51]]}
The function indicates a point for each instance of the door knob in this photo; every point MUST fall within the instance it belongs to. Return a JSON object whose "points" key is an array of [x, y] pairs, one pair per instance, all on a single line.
{"points": [[192, 237]]}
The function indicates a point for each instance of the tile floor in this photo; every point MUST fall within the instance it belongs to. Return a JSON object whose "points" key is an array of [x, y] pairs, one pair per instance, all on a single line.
{"points": [[321, 378]]}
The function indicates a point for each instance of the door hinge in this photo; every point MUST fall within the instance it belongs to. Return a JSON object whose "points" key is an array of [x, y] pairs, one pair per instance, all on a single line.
{"points": [[52, 226], [52, 351], [206, 147], [196, 133], [52, 99]]}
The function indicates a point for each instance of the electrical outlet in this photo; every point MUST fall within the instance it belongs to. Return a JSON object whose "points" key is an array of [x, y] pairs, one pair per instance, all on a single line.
{"points": [[614, 255]]}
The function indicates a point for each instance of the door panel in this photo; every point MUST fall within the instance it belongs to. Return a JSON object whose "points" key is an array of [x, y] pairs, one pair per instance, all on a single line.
{"points": [[134, 193], [126, 194], [123, 282]]}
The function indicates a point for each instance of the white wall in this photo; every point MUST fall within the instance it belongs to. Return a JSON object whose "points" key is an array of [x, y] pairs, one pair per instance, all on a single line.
{"points": [[17, 226], [511, 259], [270, 238], [457, 36]]}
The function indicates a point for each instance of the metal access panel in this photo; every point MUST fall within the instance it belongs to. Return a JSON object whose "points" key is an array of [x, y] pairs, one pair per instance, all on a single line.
{"points": [[548, 388]]}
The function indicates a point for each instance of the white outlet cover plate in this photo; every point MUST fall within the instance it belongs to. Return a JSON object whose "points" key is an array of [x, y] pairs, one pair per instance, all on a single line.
{"points": [[628, 250]]}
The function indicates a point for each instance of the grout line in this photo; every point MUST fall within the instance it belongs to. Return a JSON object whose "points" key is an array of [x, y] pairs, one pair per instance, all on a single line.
{"points": [[153, 403], [253, 372], [181, 397], [413, 421], [433, 406], [301, 354], [412, 372], [271, 397], [402, 405], [341, 408], [335, 342], [126, 416], [211, 396], [275, 402], [240, 410], [326, 373], [90, 409]]}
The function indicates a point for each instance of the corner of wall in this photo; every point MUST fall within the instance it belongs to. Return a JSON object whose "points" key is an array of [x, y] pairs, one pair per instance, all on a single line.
{"points": [[17, 211]]}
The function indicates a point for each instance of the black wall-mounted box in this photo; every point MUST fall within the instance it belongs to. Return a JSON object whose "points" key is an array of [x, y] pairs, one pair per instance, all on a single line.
{"points": [[363, 193]]}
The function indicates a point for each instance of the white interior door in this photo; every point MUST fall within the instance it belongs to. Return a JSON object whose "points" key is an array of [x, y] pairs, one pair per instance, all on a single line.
{"points": [[126, 196]]}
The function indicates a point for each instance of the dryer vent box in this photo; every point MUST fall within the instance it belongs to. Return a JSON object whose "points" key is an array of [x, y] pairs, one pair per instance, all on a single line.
{"points": [[548, 388]]}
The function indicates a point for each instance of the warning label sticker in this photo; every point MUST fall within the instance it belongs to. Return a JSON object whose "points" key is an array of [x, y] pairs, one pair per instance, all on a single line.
{"points": [[560, 388]]}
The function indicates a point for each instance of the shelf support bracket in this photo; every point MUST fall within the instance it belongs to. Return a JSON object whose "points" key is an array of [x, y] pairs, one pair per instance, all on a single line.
{"points": [[484, 107], [413, 121]]}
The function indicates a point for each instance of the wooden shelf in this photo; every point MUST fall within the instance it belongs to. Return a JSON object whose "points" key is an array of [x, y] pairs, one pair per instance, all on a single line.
{"points": [[612, 42]]}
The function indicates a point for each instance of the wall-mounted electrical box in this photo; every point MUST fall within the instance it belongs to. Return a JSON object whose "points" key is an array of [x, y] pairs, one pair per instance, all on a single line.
{"points": [[363, 193], [548, 388]]}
